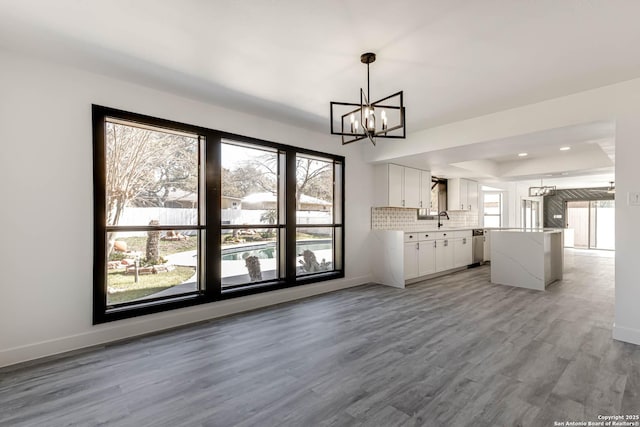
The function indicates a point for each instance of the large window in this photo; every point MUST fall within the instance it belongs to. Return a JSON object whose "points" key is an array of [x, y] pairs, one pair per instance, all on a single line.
{"points": [[187, 215]]}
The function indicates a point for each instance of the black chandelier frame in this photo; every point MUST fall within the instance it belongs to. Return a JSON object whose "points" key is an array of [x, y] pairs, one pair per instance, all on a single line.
{"points": [[348, 131]]}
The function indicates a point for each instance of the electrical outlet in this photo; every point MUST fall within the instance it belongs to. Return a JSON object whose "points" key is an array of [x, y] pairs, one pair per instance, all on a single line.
{"points": [[633, 199]]}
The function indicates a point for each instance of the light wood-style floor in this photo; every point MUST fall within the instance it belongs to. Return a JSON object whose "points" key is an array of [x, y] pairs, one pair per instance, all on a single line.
{"points": [[452, 351]]}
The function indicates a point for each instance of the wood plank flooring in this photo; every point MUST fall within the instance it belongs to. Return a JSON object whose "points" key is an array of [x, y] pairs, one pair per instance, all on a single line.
{"points": [[452, 351]]}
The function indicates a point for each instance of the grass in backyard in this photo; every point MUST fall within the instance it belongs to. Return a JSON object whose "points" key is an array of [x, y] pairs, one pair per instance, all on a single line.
{"points": [[122, 287], [139, 243]]}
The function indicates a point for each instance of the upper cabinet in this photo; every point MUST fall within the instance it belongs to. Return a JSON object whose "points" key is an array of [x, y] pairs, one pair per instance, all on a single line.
{"points": [[402, 187], [462, 195]]}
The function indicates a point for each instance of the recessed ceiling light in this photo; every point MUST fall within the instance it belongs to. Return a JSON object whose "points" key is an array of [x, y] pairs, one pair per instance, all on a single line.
{"points": [[565, 148], [523, 154], [564, 173], [549, 174]]}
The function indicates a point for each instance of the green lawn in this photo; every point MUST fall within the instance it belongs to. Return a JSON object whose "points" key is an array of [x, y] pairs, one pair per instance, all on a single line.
{"points": [[122, 287], [167, 247]]}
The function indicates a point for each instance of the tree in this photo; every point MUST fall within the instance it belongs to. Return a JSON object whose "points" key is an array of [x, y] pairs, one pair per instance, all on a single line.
{"points": [[313, 177], [242, 181], [143, 165], [270, 216]]}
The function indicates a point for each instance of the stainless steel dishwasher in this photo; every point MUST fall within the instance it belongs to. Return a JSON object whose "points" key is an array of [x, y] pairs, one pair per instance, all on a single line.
{"points": [[478, 246]]}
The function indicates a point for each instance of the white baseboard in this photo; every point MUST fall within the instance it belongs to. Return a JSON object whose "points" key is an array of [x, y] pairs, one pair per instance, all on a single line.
{"points": [[629, 335], [129, 328]]}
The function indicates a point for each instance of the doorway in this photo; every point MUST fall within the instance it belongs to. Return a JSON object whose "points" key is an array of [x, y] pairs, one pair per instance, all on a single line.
{"points": [[593, 222]]}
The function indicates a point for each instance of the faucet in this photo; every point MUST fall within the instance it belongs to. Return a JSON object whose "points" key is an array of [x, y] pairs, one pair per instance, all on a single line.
{"points": [[441, 214]]}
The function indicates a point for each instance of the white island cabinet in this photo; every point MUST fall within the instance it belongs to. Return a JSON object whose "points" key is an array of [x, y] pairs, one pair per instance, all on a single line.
{"points": [[529, 258]]}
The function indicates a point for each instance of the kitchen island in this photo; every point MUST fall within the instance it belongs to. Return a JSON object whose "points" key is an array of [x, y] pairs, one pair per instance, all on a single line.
{"points": [[527, 258]]}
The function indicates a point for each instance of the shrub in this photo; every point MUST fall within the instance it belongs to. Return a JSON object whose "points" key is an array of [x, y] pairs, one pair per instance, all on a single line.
{"points": [[117, 256]]}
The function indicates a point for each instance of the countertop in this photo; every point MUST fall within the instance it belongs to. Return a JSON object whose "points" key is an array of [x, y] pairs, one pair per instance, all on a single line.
{"points": [[513, 229], [529, 230]]}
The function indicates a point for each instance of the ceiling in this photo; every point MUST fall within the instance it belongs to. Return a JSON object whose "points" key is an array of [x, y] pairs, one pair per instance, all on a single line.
{"points": [[287, 59], [591, 154]]}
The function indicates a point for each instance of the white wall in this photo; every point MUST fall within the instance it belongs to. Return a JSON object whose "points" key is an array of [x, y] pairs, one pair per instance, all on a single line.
{"points": [[46, 180], [619, 103]]}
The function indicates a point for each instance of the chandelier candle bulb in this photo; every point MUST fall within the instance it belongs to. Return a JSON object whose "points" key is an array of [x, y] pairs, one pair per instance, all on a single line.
{"points": [[353, 123]]}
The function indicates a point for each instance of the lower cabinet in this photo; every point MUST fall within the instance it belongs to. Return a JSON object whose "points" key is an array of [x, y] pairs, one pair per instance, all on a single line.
{"points": [[462, 251], [410, 260], [444, 255], [419, 259], [426, 257], [429, 253]]}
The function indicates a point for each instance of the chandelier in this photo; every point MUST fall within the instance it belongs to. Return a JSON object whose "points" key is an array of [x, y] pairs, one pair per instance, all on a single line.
{"points": [[379, 119], [543, 190], [546, 190]]}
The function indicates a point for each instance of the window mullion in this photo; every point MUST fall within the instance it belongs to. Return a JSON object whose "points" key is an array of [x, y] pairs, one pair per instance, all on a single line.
{"points": [[290, 216], [212, 219]]}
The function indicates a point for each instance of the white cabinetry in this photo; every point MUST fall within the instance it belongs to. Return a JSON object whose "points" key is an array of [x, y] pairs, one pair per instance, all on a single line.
{"points": [[462, 251], [427, 253], [444, 255], [425, 189], [462, 195], [410, 260], [411, 188], [419, 255], [402, 187], [435, 251], [487, 246]]}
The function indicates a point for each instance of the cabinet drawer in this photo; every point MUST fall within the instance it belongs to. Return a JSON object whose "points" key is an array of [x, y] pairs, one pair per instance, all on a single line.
{"points": [[410, 237], [443, 235], [427, 235], [461, 233]]}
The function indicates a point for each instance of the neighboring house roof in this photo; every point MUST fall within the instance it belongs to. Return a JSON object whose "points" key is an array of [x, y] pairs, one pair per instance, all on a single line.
{"points": [[270, 197], [181, 195], [190, 196]]}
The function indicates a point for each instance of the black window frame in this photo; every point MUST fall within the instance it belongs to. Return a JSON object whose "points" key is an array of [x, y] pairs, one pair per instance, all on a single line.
{"points": [[210, 287]]}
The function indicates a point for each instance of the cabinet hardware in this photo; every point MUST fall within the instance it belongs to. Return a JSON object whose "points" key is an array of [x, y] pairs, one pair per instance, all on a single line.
{"points": [[464, 241], [418, 246], [462, 206], [420, 203], [403, 203], [446, 243], [435, 243]]}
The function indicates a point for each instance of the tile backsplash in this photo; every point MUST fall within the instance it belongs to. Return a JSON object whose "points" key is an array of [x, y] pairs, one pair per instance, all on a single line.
{"points": [[407, 219]]}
